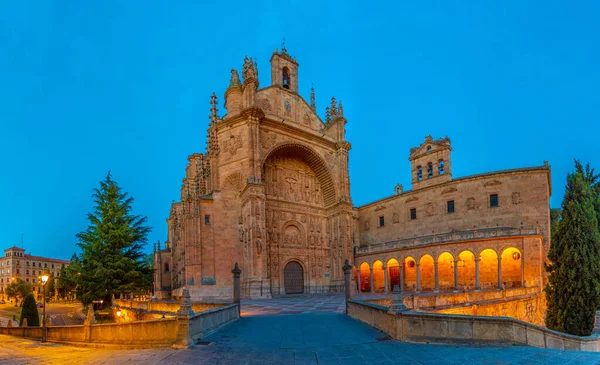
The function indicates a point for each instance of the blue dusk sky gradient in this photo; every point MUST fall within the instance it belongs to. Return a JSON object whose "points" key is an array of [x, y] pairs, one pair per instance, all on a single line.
{"points": [[88, 87]]}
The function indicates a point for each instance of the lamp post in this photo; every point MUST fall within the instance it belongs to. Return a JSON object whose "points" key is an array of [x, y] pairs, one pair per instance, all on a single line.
{"points": [[45, 277]]}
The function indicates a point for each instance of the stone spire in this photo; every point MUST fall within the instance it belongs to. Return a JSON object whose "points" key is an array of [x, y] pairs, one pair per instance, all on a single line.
{"points": [[235, 79], [250, 69], [212, 140], [333, 109], [327, 114], [313, 106], [213, 107], [340, 110]]}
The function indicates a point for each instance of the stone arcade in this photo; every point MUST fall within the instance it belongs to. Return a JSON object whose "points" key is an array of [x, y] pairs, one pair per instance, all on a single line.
{"points": [[272, 193]]}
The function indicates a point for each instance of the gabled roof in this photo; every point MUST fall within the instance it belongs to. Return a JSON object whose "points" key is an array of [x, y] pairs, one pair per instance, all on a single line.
{"points": [[442, 143], [15, 248]]}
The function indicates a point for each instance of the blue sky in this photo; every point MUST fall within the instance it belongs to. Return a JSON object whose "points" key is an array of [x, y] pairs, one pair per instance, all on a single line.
{"points": [[125, 86]]}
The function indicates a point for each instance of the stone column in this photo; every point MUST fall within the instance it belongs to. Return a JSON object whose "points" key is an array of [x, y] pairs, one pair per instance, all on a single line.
{"points": [[385, 279], [455, 275], [236, 284], [347, 290], [371, 280], [437, 282], [401, 269], [477, 273], [358, 277], [522, 271], [499, 273], [418, 265], [185, 312]]}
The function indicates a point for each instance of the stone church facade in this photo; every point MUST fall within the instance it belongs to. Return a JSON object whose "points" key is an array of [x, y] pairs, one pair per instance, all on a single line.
{"points": [[272, 192]]}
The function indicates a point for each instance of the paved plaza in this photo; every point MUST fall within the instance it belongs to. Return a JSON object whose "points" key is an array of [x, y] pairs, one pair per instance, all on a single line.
{"points": [[292, 330]]}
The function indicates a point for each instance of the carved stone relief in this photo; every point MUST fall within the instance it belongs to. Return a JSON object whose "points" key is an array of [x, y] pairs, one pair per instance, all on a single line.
{"points": [[292, 236], [471, 203], [492, 183], [232, 144], [411, 199], [266, 105], [381, 207], [396, 218], [429, 209], [516, 197], [367, 224], [287, 108], [292, 180], [449, 190], [306, 120], [267, 140]]}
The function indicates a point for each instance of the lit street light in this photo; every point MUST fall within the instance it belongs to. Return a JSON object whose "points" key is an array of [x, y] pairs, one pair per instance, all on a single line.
{"points": [[45, 277]]}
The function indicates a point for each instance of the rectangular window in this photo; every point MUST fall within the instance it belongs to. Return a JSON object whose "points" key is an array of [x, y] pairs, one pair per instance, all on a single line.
{"points": [[207, 219], [166, 267], [413, 213], [493, 200], [381, 221], [451, 206]]}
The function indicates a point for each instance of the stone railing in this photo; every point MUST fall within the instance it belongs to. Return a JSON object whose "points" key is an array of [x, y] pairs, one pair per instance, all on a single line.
{"points": [[455, 236], [165, 306], [181, 331], [448, 328]]}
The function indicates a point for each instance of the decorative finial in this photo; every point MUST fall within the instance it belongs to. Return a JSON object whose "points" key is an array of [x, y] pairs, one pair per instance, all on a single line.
{"points": [[235, 79], [340, 110], [283, 50], [333, 109], [158, 244], [313, 106], [327, 114], [213, 108]]}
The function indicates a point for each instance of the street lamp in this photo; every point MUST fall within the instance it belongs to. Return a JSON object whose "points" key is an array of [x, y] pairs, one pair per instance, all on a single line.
{"points": [[45, 277]]}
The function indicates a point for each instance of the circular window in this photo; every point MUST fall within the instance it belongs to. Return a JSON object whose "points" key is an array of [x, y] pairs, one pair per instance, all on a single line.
{"points": [[411, 264], [516, 255]]}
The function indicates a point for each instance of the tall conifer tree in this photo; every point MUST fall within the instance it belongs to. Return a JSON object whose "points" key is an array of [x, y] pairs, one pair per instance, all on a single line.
{"points": [[112, 257], [573, 292]]}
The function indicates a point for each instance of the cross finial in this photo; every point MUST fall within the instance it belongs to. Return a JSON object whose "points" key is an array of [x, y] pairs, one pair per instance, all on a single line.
{"points": [[283, 45]]}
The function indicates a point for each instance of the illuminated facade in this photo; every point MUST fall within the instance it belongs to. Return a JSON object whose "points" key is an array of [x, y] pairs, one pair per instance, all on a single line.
{"points": [[16, 264], [272, 192]]}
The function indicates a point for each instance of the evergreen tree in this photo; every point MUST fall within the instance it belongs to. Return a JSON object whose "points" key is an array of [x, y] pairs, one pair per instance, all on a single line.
{"points": [[30, 311], [573, 292], [67, 281], [111, 257]]}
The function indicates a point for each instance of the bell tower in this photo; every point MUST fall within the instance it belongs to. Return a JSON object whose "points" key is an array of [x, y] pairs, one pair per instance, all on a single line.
{"points": [[284, 70]]}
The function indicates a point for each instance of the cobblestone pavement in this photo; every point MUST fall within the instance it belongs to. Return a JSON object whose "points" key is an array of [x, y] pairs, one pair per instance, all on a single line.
{"points": [[292, 331]]}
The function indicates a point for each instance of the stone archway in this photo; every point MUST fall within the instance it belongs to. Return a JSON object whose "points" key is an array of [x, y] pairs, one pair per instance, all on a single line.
{"points": [[293, 278]]}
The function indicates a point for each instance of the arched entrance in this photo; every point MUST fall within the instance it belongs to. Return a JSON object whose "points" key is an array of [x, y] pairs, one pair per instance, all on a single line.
{"points": [[293, 278]]}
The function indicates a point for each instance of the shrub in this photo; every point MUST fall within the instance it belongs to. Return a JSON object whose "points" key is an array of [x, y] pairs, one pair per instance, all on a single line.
{"points": [[30, 311]]}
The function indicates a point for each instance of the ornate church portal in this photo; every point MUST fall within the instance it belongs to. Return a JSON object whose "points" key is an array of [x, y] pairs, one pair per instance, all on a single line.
{"points": [[295, 222]]}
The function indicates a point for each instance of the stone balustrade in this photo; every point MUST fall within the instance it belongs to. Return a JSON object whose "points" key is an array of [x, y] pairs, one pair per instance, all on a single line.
{"points": [[448, 237], [465, 329]]}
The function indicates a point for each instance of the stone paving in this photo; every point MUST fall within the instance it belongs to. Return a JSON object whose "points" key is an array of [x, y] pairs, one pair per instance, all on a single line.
{"points": [[292, 330]]}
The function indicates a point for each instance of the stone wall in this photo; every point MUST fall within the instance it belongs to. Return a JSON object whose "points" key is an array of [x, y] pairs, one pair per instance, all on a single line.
{"points": [[523, 196], [165, 306], [179, 331], [464, 329]]}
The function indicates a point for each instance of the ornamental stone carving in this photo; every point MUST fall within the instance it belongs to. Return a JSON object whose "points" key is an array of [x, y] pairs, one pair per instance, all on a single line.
{"points": [[266, 105], [429, 209], [516, 197], [232, 144], [368, 224], [471, 203], [396, 218], [268, 140]]}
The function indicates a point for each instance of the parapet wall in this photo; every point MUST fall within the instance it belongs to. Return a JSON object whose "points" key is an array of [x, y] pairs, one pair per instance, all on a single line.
{"points": [[449, 328], [165, 306], [525, 304], [179, 331]]}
